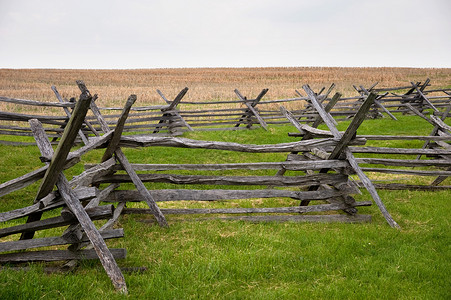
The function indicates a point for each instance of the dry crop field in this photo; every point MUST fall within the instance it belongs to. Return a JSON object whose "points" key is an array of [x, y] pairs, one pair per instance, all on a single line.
{"points": [[114, 86]]}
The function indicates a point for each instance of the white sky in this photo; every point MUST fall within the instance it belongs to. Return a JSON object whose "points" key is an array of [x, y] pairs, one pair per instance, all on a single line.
{"points": [[228, 33]]}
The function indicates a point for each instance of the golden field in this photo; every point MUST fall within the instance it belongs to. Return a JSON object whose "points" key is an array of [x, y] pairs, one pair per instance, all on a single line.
{"points": [[114, 86]]}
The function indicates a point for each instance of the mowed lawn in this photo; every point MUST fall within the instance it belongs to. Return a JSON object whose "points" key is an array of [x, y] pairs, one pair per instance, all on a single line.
{"points": [[215, 259]]}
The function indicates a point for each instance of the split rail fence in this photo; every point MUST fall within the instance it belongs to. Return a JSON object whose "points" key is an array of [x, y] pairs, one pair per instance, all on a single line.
{"points": [[319, 167], [314, 179], [175, 116]]}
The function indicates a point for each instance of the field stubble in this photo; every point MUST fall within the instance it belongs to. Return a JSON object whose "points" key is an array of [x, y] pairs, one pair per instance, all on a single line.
{"points": [[205, 84]]}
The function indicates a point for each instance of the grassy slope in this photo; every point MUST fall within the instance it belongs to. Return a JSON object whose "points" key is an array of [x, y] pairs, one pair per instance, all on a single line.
{"points": [[217, 259]]}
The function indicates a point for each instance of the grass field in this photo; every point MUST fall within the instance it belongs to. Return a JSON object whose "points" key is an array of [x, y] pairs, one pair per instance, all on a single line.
{"points": [[235, 259]]}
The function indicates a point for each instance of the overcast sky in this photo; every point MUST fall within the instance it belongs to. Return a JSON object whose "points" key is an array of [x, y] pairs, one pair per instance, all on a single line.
{"points": [[228, 33]]}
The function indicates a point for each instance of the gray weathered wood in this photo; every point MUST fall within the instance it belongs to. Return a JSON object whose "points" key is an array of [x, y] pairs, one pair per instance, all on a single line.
{"points": [[215, 194], [36, 103], [371, 189], [96, 213], [22, 181], [352, 128], [51, 201], [229, 180], [86, 178], [54, 241], [411, 187], [291, 218], [300, 146], [289, 165], [253, 104], [57, 255], [405, 162], [408, 172], [402, 151], [292, 209]]}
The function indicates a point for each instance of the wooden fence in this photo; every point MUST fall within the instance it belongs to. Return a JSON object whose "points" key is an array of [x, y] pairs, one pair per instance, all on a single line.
{"points": [[436, 150], [176, 116], [314, 179]]}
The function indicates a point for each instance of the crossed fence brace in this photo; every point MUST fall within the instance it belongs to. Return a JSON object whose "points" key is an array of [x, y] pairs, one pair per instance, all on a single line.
{"points": [[82, 229], [341, 150], [440, 129]]}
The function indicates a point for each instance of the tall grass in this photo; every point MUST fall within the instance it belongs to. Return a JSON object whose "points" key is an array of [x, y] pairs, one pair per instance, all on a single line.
{"points": [[114, 86]]}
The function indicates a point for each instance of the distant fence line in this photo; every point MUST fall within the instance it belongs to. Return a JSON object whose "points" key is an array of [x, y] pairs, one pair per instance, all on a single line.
{"points": [[175, 116]]}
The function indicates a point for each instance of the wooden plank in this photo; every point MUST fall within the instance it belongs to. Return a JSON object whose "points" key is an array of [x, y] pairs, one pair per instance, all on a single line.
{"points": [[251, 210], [51, 201], [57, 255], [86, 178], [289, 165], [53, 120], [436, 128], [408, 172], [402, 151], [405, 137], [291, 218], [405, 162], [445, 127], [36, 103], [229, 180], [177, 99], [215, 194], [22, 181], [371, 189], [345, 138], [147, 141], [104, 254], [170, 111], [96, 213], [411, 187], [378, 103], [54, 241]]}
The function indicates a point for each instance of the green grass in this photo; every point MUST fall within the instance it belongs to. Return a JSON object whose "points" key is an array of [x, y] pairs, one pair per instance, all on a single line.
{"points": [[241, 260]]}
